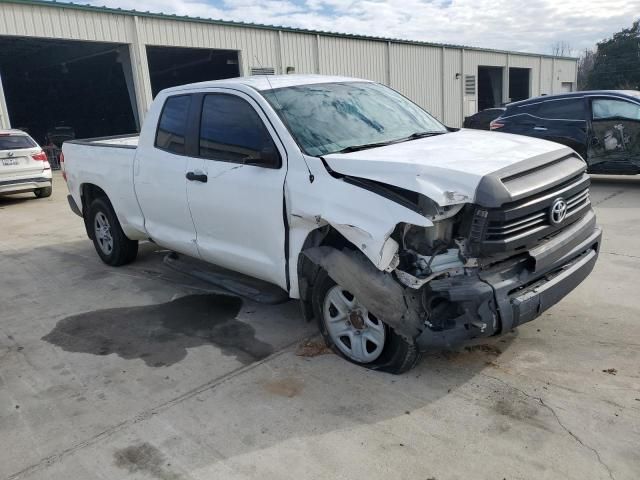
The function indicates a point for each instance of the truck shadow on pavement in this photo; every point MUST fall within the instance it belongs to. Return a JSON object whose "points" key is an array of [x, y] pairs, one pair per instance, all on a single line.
{"points": [[161, 334]]}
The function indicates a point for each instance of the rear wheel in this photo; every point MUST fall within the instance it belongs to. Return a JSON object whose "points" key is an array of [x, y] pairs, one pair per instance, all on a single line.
{"points": [[43, 192], [112, 245], [357, 334]]}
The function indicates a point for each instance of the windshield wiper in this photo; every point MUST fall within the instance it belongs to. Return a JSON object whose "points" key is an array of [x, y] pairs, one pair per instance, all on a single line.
{"points": [[364, 146], [413, 136], [417, 135]]}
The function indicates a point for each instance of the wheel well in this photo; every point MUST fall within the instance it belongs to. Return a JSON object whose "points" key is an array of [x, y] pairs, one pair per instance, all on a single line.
{"points": [[88, 193], [308, 271]]}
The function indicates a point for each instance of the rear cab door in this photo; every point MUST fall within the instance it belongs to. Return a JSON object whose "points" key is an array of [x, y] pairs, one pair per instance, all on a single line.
{"points": [[614, 136], [236, 186], [159, 174]]}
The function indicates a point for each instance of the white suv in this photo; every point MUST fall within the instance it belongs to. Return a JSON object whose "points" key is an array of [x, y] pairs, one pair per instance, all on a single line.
{"points": [[23, 165]]}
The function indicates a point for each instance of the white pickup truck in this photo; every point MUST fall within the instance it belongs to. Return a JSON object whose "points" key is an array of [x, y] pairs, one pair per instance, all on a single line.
{"points": [[396, 233]]}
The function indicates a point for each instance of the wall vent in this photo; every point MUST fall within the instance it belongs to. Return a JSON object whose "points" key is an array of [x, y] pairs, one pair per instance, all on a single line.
{"points": [[470, 85], [263, 71]]}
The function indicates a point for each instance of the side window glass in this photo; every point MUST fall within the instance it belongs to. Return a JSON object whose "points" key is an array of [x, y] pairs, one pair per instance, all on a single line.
{"points": [[231, 130], [172, 126], [615, 109], [562, 110]]}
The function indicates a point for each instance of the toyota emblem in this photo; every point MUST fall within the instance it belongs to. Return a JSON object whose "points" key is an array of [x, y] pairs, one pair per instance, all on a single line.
{"points": [[558, 211]]}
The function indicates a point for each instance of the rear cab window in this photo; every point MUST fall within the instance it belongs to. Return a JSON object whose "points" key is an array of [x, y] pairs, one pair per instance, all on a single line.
{"points": [[172, 126], [15, 142]]}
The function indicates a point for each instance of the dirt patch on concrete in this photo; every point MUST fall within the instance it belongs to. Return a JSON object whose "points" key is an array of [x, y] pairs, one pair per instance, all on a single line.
{"points": [[145, 458], [484, 348], [313, 349], [161, 334], [285, 387]]}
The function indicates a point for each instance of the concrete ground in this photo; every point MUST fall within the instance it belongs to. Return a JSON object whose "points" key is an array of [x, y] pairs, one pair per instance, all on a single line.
{"points": [[139, 373]]}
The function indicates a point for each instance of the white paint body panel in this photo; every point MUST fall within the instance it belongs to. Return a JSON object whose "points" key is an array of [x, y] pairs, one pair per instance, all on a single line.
{"points": [[111, 169], [453, 162], [238, 213], [238, 216]]}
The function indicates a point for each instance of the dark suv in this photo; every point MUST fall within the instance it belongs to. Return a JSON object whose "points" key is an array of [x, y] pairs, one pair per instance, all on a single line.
{"points": [[603, 126]]}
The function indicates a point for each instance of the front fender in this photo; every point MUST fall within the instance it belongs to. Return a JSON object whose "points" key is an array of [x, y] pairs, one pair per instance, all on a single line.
{"points": [[363, 217]]}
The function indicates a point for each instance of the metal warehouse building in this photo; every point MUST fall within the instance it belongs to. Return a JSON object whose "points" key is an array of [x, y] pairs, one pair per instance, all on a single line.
{"points": [[93, 71]]}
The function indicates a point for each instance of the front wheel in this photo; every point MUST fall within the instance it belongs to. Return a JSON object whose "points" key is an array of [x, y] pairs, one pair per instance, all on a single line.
{"points": [[356, 334], [112, 245]]}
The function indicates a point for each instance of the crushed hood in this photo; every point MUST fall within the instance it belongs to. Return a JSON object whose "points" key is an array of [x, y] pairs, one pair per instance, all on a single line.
{"points": [[446, 168]]}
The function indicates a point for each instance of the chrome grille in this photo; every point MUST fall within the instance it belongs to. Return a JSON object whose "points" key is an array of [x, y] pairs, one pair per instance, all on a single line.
{"points": [[527, 221], [535, 222]]}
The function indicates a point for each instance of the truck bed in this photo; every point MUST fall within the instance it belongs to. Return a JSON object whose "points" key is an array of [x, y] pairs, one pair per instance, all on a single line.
{"points": [[108, 164]]}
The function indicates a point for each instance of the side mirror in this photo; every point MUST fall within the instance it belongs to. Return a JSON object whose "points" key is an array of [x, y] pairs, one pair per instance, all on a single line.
{"points": [[269, 156]]}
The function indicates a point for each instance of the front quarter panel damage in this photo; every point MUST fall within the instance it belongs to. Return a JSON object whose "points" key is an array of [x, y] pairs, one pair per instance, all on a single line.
{"points": [[364, 218], [377, 290]]}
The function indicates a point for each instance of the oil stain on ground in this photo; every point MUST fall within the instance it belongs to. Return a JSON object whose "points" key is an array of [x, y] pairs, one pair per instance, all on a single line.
{"points": [[161, 334], [145, 458]]}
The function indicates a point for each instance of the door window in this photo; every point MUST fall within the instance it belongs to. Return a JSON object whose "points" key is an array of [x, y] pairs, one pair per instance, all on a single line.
{"points": [[172, 126], [232, 131], [615, 109], [572, 109]]}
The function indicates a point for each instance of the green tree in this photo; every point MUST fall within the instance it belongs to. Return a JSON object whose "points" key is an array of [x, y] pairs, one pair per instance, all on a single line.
{"points": [[616, 63]]}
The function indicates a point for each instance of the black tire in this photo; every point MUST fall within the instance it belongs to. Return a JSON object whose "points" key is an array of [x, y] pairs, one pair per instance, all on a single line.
{"points": [[399, 353], [43, 192], [122, 250]]}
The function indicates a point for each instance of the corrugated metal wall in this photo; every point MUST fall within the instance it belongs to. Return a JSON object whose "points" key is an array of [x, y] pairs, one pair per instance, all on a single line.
{"points": [[452, 91], [66, 23], [432, 76], [300, 51], [416, 72], [546, 76], [354, 58]]}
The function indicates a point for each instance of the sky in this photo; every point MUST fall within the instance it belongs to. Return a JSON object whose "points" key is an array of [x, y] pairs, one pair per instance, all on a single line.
{"points": [[520, 25]]}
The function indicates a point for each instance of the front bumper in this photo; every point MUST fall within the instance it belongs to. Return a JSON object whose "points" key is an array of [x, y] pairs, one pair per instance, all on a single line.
{"points": [[18, 185], [497, 299]]}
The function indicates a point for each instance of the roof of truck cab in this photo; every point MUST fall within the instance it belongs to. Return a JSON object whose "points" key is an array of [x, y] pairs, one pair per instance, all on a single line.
{"points": [[632, 94], [267, 82]]}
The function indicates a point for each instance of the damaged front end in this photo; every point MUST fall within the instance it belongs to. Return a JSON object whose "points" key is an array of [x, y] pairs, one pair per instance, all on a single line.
{"points": [[447, 283]]}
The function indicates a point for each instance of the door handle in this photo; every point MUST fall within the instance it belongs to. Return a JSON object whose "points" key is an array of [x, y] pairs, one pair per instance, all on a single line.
{"points": [[540, 129], [196, 177]]}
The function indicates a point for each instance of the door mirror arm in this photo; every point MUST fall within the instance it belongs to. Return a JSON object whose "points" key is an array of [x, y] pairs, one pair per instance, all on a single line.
{"points": [[269, 158]]}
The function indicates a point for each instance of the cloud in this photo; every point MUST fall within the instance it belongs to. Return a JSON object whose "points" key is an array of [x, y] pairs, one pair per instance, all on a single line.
{"points": [[523, 25]]}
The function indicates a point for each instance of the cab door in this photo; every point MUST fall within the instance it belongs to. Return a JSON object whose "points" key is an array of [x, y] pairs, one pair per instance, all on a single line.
{"points": [[614, 136], [235, 188], [159, 178]]}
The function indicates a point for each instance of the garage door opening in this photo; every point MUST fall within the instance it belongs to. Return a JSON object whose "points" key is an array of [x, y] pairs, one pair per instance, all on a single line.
{"points": [[172, 66], [60, 89], [489, 87], [519, 86]]}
